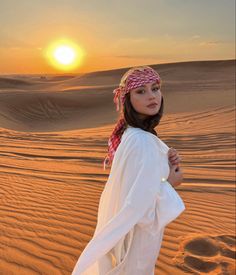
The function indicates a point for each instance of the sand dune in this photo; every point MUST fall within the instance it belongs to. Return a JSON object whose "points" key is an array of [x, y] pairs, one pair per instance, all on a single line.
{"points": [[53, 140], [76, 102]]}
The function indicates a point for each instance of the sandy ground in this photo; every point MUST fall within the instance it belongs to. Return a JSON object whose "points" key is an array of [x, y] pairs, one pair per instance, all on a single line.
{"points": [[53, 139]]}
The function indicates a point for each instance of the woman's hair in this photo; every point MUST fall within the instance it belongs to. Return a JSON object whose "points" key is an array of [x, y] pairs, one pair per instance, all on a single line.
{"points": [[131, 116]]}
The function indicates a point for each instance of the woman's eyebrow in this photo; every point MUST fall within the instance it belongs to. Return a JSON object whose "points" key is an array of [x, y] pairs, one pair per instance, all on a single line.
{"points": [[144, 86], [139, 87]]}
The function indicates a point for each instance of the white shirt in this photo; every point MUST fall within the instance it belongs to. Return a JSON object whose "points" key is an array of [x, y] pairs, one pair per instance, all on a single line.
{"points": [[135, 206]]}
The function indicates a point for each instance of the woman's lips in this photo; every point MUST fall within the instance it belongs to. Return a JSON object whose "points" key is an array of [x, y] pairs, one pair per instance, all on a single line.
{"points": [[152, 105]]}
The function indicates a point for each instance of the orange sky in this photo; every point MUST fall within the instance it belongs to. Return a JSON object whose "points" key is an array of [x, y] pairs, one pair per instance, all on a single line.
{"points": [[113, 35]]}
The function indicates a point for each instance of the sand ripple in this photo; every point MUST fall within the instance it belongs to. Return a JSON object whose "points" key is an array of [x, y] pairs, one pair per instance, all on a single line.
{"points": [[51, 181]]}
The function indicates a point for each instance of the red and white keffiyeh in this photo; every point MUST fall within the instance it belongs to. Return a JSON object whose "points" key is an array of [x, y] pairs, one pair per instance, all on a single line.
{"points": [[133, 78]]}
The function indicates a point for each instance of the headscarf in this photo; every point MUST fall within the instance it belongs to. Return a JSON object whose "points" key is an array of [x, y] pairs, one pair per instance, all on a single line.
{"points": [[133, 78]]}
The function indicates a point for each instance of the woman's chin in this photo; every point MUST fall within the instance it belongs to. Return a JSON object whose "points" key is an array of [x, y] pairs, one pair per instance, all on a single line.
{"points": [[152, 112], [149, 112]]}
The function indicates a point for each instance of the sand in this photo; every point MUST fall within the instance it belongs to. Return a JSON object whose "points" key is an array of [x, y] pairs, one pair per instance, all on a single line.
{"points": [[53, 139]]}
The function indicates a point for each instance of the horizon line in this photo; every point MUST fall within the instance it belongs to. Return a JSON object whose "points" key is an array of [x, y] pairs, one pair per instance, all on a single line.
{"points": [[115, 69]]}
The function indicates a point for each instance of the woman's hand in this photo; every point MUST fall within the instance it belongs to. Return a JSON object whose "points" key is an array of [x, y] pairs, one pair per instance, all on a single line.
{"points": [[173, 157], [175, 176]]}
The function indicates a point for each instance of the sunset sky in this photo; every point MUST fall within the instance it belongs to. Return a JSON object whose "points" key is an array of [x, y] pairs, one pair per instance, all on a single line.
{"points": [[115, 34]]}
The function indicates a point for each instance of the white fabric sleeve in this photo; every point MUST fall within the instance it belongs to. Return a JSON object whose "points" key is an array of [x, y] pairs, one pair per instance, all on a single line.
{"points": [[170, 205], [167, 207]]}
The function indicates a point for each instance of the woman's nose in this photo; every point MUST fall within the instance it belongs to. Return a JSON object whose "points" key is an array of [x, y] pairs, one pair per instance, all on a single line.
{"points": [[151, 94]]}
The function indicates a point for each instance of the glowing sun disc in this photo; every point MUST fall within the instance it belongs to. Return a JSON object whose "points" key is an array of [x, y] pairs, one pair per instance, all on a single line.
{"points": [[64, 55]]}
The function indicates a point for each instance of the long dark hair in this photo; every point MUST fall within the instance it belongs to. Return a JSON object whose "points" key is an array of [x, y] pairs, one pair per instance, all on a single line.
{"points": [[132, 118]]}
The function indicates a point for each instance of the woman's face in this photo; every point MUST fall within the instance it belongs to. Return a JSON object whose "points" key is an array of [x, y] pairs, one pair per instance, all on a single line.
{"points": [[145, 95]]}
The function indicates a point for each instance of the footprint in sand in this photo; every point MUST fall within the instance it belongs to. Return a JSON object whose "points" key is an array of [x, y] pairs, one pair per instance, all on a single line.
{"points": [[207, 254]]}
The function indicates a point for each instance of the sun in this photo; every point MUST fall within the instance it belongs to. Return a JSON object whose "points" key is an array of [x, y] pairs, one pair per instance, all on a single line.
{"points": [[64, 55]]}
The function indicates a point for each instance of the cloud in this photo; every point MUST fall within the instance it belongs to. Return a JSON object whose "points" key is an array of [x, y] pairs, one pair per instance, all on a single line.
{"points": [[10, 42], [210, 43], [196, 36]]}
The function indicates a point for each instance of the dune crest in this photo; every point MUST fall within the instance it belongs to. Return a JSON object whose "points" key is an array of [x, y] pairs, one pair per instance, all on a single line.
{"points": [[46, 103]]}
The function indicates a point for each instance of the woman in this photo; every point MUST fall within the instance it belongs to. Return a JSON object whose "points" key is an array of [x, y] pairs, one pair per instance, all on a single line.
{"points": [[139, 198]]}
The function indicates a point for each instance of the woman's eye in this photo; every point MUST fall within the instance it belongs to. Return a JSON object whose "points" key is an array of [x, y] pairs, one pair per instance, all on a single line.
{"points": [[143, 91]]}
